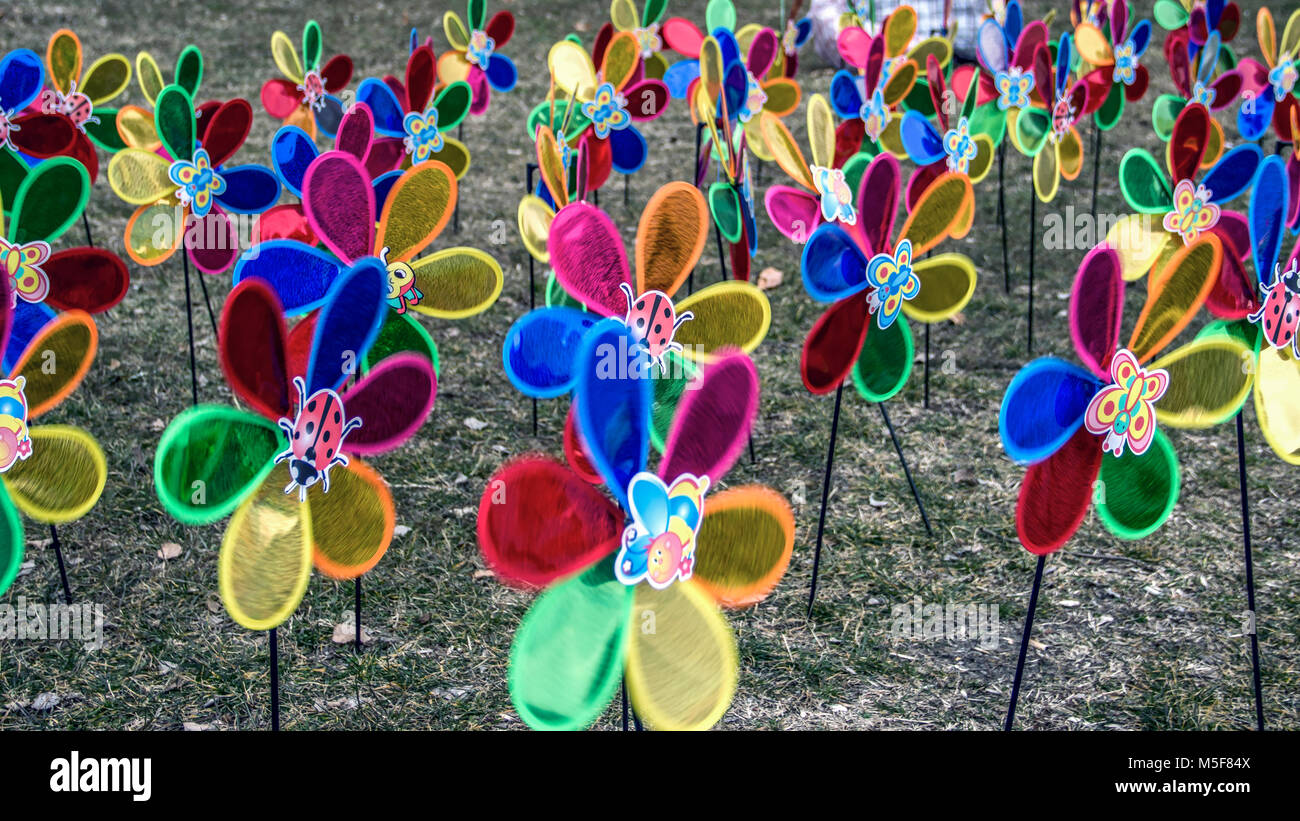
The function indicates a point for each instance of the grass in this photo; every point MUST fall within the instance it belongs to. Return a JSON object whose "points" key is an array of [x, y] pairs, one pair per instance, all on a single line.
{"points": [[1141, 635]]}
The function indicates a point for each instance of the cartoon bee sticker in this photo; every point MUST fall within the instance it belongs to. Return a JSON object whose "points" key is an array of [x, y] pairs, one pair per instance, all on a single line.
{"points": [[402, 292], [836, 196], [659, 545], [315, 439], [654, 322], [15, 443]]}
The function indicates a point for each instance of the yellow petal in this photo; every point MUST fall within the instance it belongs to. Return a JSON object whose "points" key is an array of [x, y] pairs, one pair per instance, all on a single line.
{"points": [[1047, 175], [136, 127], [56, 360], [149, 75], [457, 282], [1208, 381], [1277, 401], [352, 524], [535, 218], [940, 210], [153, 232], [139, 177], [1069, 155], [781, 143], [107, 78], [1093, 45], [63, 60], [1175, 294], [939, 47], [416, 210], [744, 544], [62, 479], [622, 13], [454, 28], [286, 57], [622, 54], [1140, 240], [821, 131], [900, 28], [733, 313], [455, 155], [572, 70], [947, 284], [265, 560]]}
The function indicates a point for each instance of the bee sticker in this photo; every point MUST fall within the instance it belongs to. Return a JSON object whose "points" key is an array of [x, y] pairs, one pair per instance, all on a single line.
{"points": [[837, 197], [315, 439], [659, 545], [22, 264], [15, 443], [654, 322], [1125, 411], [402, 292], [1280, 312]]}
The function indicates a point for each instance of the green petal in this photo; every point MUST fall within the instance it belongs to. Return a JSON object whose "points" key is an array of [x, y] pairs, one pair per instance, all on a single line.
{"points": [[724, 202], [453, 104], [567, 657], [720, 14], [1138, 492], [991, 120], [49, 201], [210, 458], [11, 541], [1170, 14], [885, 361], [1164, 112], [189, 70], [668, 390], [401, 333], [1107, 117], [311, 45], [1032, 125], [104, 133], [174, 118], [1142, 180]]}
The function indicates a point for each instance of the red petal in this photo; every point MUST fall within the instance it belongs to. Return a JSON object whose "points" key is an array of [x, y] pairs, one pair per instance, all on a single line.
{"points": [[337, 73], [285, 222], [86, 279], [574, 453], [500, 28], [421, 74], [43, 135], [280, 98], [833, 344], [227, 131], [252, 346], [1056, 492]]}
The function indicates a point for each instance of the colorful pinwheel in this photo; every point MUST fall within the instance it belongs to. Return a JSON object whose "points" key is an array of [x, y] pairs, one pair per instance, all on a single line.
{"points": [[474, 57], [342, 206], [306, 96], [554, 191], [414, 117], [52, 473], [22, 76], [826, 195], [1196, 75], [1118, 58], [586, 251], [1073, 424], [1273, 83], [50, 199], [1194, 20], [1045, 130], [864, 271], [673, 554], [954, 146], [1005, 49], [287, 469], [81, 100], [136, 125], [191, 168], [645, 27], [1188, 207]]}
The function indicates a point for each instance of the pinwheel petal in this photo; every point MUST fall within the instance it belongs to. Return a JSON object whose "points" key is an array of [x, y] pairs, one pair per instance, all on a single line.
{"points": [[792, 210], [566, 661], [939, 212], [878, 193], [1277, 384], [683, 674], [174, 121], [250, 189], [63, 477], [393, 400], [352, 524], [399, 334], [86, 279], [212, 242], [588, 258], [947, 284], [347, 325], [923, 144], [299, 274], [1140, 242], [210, 458], [227, 131], [1056, 492], [884, 363], [845, 94], [21, 76], [613, 394], [1267, 215], [11, 537], [541, 349], [727, 314], [265, 559], [832, 346], [142, 234], [417, 209], [1043, 407], [535, 218], [713, 421], [49, 200], [670, 237], [340, 205], [1232, 174], [1047, 174], [744, 545], [628, 150], [253, 348], [1097, 308], [1175, 294], [69, 340], [1137, 492], [1209, 380], [292, 152], [456, 282]]}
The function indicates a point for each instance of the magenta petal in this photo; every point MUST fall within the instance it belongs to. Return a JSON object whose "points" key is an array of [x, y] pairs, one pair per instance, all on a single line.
{"points": [[794, 211], [340, 205], [356, 131], [713, 421], [212, 242], [393, 400], [588, 258], [480, 91], [1096, 308]]}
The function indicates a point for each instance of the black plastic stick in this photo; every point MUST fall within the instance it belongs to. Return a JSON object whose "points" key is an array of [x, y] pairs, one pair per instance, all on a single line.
{"points": [[902, 460], [1250, 574], [1002, 220], [826, 493], [1024, 643], [189, 325], [1033, 240], [63, 570]]}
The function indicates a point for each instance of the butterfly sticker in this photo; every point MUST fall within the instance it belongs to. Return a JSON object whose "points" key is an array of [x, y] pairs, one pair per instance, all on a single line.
{"points": [[648, 40], [875, 114], [1203, 94], [198, 183], [892, 280], [1013, 88], [22, 264], [659, 545], [960, 147], [422, 138], [837, 197], [1126, 62], [480, 48], [1193, 212], [607, 111], [1124, 412], [1283, 78], [755, 98]]}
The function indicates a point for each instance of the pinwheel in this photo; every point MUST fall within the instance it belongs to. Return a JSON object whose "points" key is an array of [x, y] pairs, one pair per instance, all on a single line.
{"points": [[645, 27], [875, 279], [22, 75], [674, 553], [286, 471], [867, 98], [342, 207], [1090, 435], [137, 125], [474, 57], [954, 146], [586, 251], [1118, 58], [750, 82], [1188, 207], [1194, 20], [1273, 82], [793, 37], [603, 107], [1196, 76], [192, 168], [1045, 130], [52, 473], [50, 198], [419, 121], [306, 96], [825, 195], [1006, 56]]}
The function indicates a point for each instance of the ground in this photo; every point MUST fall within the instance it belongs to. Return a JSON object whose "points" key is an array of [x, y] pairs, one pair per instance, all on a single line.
{"points": [[1129, 635]]}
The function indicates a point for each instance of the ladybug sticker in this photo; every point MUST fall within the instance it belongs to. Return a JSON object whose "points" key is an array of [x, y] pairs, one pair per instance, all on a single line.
{"points": [[654, 322], [313, 90], [315, 439], [1280, 312], [74, 105]]}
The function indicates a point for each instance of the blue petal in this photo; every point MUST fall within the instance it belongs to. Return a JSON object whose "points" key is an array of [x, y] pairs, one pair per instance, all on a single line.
{"points": [[501, 73], [415, 39], [924, 144], [382, 185], [987, 60], [383, 105], [833, 265], [292, 150], [1015, 23], [613, 392], [1255, 123], [1043, 407], [299, 274], [728, 45], [1063, 60], [679, 77], [541, 349], [1232, 174], [1141, 37], [347, 326], [28, 320], [846, 96], [1268, 209], [544, 194], [250, 189], [329, 116], [22, 74], [803, 30], [627, 150]]}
